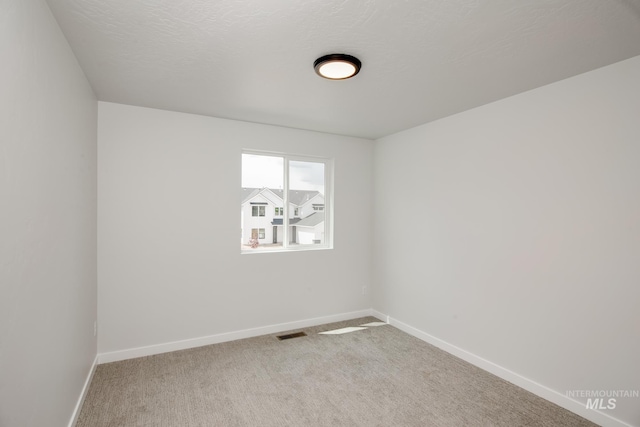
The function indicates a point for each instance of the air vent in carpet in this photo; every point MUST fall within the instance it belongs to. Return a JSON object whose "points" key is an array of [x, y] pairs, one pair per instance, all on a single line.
{"points": [[289, 336]]}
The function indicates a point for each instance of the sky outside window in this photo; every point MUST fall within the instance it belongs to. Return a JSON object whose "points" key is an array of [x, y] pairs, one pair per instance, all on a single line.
{"points": [[267, 171]]}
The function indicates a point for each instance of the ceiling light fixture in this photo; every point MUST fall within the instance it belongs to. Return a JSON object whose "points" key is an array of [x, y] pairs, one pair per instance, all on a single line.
{"points": [[337, 66]]}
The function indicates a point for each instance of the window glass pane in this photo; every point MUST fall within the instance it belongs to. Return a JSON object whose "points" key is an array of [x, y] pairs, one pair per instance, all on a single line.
{"points": [[262, 187], [306, 194]]}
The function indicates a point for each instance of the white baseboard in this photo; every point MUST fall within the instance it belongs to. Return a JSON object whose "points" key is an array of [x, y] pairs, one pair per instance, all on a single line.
{"points": [[381, 316], [83, 394], [546, 393], [132, 353]]}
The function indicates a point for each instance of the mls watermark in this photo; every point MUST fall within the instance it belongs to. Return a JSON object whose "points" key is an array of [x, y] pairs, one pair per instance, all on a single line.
{"points": [[602, 399]]}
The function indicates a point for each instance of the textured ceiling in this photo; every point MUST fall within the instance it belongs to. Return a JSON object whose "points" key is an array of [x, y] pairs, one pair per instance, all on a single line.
{"points": [[422, 60]]}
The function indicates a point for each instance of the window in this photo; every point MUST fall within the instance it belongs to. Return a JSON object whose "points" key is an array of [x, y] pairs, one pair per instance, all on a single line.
{"points": [[257, 233], [298, 192]]}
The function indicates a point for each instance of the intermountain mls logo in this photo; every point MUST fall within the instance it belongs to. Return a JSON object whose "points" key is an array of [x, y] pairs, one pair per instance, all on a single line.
{"points": [[602, 399]]}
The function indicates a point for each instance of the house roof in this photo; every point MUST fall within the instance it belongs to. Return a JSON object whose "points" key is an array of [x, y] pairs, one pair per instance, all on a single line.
{"points": [[296, 197], [249, 193], [312, 220], [300, 197]]}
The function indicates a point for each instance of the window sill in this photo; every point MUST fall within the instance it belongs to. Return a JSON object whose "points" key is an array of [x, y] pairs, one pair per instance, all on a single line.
{"points": [[280, 250]]}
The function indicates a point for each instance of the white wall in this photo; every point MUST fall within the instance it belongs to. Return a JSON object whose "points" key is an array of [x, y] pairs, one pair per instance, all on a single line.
{"points": [[48, 119], [529, 250], [170, 266]]}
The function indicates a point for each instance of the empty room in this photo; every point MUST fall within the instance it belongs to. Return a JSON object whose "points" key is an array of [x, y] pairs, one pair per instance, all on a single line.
{"points": [[319, 213]]}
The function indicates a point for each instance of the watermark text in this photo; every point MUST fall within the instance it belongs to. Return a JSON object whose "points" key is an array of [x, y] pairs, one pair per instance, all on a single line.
{"points": [[602, 399]]}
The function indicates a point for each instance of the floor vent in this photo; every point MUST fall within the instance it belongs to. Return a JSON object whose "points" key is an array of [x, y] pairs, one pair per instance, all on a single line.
{"points": [[289, 336]]}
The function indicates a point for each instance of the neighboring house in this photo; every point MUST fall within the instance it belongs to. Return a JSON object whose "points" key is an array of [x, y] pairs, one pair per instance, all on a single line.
{"points": [[262, 218], [311, 229]]}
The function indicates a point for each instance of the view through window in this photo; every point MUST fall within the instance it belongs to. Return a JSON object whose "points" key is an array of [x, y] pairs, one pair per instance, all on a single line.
{"points": [[285, 203]]}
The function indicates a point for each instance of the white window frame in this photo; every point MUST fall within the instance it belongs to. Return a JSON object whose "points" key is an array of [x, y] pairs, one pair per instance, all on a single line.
{"points": [[328, 202]]}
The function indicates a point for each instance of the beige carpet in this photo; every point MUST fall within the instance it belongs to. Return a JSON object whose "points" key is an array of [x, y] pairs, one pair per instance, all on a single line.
{"points": [[374, 377]]}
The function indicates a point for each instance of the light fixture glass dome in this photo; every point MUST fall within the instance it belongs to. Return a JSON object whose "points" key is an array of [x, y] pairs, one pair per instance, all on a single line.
{"points": [[337, 66]]}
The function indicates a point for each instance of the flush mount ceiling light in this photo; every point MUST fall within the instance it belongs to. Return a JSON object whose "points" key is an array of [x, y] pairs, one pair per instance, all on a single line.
{"points": [[337, 66]]}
